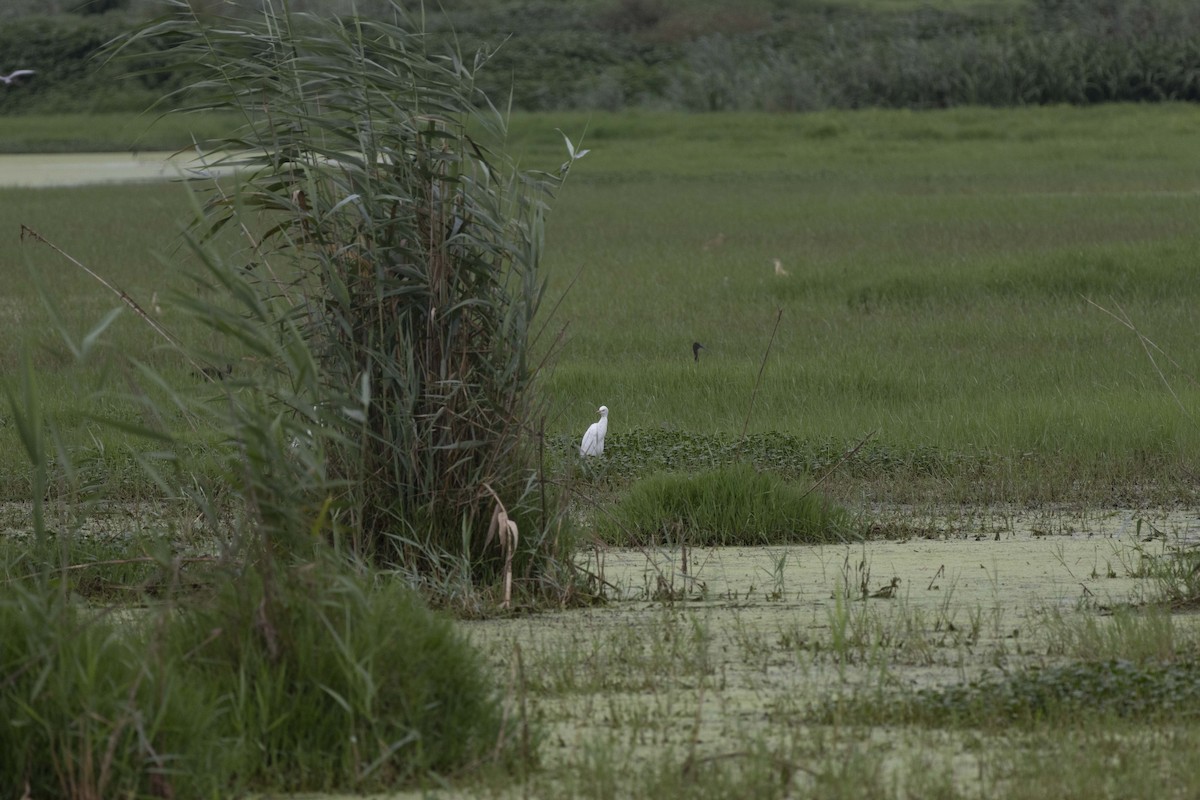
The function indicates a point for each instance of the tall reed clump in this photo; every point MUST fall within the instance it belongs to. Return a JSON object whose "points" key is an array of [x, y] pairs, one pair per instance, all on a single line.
{"points": [[382, 229], [370, 379]]}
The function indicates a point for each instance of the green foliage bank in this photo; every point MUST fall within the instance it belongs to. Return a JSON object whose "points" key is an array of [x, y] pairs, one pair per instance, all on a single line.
{"points": [[710, 56]]}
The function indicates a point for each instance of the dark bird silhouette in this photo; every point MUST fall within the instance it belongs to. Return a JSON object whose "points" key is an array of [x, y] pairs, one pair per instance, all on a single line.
{"points": [[14, 75], [215, 373], [696, 348], [889, 591]]}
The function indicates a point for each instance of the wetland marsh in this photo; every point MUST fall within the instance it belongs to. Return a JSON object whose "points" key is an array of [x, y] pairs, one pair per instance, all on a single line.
{"points": [[736, 664], [1030, 480]]}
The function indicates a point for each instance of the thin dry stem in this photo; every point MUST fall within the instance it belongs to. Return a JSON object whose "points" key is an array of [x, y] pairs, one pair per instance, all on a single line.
{"points": [[849, 454], [1149, 346], [761, 368], [120, 293], [125, 298]]}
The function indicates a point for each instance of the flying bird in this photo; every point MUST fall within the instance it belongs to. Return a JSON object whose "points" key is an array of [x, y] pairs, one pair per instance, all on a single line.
{"points": [[779, 270], [593, 440], [696, 348], [14, 75]]}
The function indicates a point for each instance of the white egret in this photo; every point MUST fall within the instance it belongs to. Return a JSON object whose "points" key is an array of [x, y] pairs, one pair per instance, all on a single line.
{"points": [[593, 440], [696, 348], [12, 76], [779, 270]]}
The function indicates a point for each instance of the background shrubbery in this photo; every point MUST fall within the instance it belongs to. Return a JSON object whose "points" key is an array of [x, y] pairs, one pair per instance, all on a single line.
{"points": [[710, 56], [63, 50]]}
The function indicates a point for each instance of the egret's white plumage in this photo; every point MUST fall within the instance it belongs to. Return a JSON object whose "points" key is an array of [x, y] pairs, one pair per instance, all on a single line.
{"points": [[12, 76], [779, 270], [593, 440]]}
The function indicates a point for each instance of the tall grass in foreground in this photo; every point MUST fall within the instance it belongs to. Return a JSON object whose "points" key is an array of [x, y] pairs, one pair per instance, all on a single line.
{"points": [[355, 687], [352, 687], [89, 711]]}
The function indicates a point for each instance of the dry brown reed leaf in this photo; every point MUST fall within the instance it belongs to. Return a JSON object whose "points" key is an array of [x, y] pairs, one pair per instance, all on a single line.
{"points": [[505, 530], [120, 293]]}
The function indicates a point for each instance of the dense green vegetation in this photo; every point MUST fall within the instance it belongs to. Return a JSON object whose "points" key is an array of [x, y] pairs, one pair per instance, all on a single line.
{"points": [[66, 53], [305, 689], [704, 55], [735, 505]]}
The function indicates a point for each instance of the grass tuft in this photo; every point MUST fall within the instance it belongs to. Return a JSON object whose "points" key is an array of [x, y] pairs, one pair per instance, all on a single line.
{"points": [[318, 682], [734, 505], [90, 711], [1174, 575], [330, 683]]}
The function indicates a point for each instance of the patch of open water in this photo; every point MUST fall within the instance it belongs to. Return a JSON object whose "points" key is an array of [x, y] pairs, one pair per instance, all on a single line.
{"points": [[77, 169]]}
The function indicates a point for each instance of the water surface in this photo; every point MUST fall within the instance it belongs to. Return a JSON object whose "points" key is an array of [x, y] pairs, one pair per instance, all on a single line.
{"points": [[78, 169]]}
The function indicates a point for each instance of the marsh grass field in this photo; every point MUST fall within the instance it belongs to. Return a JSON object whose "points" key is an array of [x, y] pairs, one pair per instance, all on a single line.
{"points": [[945, 276], [1027, 473], [940, 271]]}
